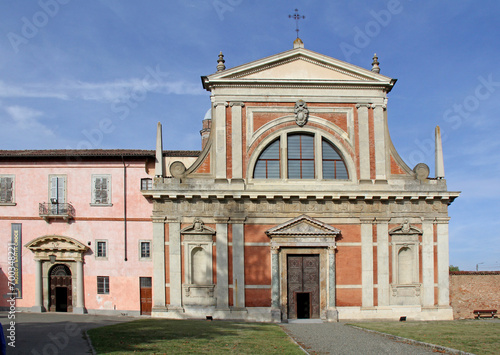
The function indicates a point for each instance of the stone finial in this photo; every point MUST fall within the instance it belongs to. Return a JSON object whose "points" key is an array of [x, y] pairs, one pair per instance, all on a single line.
{"points": [[220, 62], [298, 43], [375, 63], [439, 155]]}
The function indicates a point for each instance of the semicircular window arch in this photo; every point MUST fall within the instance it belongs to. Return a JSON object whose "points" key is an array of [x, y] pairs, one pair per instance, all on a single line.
{"points": [[308, 156]]}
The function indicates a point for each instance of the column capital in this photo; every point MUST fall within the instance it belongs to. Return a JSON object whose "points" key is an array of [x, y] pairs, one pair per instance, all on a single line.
{"points": [[367, 220], [358, 106], [222, 103], [241, 104], [221, 219], [332, 248], [158, 219], [382, 219], [275, 249], [237, 220], [442, 220], [172, 219], [382, 106]]}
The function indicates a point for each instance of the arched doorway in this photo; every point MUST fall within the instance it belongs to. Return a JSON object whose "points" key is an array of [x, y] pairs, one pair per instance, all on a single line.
{"points": [[61, 298]]}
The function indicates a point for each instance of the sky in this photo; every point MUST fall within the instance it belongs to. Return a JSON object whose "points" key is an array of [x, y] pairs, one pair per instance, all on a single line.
{"points": [[101, 74]]}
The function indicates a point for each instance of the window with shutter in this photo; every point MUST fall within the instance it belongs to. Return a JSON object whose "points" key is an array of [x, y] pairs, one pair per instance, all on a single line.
{"points": [[101, 187], [103, 285], [6, 189]]}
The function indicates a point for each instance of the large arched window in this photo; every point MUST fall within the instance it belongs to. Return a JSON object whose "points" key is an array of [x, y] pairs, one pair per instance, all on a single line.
{"points": [[305, 156]]}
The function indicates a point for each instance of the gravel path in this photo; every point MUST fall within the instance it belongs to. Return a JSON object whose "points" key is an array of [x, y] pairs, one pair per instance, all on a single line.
{"points": [[338, 338]]}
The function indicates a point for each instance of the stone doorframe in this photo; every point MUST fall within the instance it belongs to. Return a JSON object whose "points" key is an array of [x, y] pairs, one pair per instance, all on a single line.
{"points": [[303, 235], [51, 249]]}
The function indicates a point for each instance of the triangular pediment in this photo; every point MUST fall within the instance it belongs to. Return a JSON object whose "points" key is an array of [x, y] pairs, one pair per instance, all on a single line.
{"points": [[303, 226], [56, 242], [298, 65]]}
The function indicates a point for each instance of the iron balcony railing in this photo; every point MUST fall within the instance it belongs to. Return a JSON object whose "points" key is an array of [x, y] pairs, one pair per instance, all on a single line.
{"points": [[56, 210]]}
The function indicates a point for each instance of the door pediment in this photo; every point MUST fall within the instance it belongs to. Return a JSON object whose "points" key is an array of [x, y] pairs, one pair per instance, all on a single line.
{"points": [[304, 227], [64, 248]]}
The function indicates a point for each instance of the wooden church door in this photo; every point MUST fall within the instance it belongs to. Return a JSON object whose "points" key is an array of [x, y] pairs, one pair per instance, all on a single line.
{"points": [[61, 297], [303, 286]]}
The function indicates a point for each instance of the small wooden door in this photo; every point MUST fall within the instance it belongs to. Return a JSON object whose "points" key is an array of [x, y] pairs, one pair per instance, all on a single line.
{"points": [[61, 297], [303, 286], [146, 295]]}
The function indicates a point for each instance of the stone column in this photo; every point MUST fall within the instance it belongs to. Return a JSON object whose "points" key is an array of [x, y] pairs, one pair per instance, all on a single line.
{"points": [[364, 143], [383, 261], [220, 140], [443, 262], [80, 306], [275, 284], [427, 263], [38, 307], [159, 264], [238, 262], [367, 262], [380, 150], [236, 138], [222, 290], [175, 263], [332, 314]]}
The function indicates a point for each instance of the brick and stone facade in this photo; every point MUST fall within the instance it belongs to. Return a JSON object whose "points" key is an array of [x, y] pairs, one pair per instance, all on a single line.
{"points": [[234, 243]]}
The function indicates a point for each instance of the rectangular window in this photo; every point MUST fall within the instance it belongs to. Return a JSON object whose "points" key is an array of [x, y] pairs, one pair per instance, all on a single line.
{"points": [[102, 249], [7, 189], [146, 184], [57, 195], [145, 249], [101, 189], [102, 285]]}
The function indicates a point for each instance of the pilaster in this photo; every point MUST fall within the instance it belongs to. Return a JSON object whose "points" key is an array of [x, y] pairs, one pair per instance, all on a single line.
{"points": [[236, 139], [275, 284], [159, 299], [222, 289], [443, 262], [220, 140], [364, 143], [175, 263], [367, 262], [332, 313], [428, 263], [237, 225], [383, 286], [380, 146]]}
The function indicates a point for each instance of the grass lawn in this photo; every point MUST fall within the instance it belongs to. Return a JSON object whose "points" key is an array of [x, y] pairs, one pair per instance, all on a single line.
{"points": [[473, 336], [165, 336]]}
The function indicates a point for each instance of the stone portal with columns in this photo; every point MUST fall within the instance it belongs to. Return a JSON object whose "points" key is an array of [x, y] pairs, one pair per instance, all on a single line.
{"points": [[49, 250]]}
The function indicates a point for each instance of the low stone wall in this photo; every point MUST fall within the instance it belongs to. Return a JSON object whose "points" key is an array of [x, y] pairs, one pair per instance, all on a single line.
{"points": [[470, 290]]}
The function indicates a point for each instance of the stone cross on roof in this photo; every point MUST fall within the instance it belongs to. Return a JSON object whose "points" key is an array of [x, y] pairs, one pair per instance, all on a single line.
{"points": [[296, 17]]}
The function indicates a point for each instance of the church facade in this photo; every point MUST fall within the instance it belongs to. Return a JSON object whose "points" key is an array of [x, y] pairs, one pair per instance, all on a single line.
{"points": [[299, 206]]}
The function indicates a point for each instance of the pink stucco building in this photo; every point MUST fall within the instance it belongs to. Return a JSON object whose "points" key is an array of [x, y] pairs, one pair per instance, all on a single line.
{"points": [[84, 226]]}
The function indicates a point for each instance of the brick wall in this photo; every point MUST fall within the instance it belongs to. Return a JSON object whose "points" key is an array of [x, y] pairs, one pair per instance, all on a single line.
{"points": [[470, 290]]}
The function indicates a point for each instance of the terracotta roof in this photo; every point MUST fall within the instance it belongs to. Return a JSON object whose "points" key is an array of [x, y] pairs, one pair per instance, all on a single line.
{"points": [[58, 153]]}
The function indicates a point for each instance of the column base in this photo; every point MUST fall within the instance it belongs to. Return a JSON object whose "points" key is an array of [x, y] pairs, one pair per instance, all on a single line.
{"points": [[332, 315], [275, 315], [79, 310], [38, 309]]}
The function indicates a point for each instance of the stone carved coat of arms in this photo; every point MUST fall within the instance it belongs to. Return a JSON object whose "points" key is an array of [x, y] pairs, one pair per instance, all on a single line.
{"points": [[301, 112]]}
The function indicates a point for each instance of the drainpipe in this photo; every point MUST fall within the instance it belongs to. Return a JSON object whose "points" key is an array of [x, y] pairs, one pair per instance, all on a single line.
{"points": [[124, 207]]}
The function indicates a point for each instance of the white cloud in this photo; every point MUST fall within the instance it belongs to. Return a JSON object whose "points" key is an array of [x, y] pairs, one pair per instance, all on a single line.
{"points": [[114, 91], [25, 118]]}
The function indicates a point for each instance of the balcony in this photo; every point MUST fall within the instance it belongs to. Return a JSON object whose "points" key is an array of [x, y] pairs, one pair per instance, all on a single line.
{"points": [[48, 211]]}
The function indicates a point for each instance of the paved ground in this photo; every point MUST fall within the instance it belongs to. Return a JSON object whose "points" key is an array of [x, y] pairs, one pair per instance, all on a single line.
{"points": [[53, 333], [338, 338], [60, 333]]}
